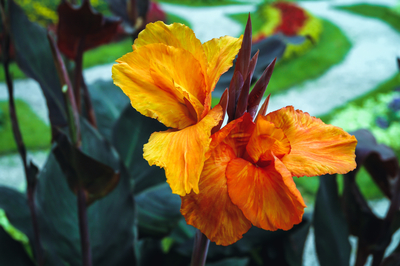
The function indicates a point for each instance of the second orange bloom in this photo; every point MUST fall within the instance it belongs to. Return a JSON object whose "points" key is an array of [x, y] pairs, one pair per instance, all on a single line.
{"points": [[248, 178]]}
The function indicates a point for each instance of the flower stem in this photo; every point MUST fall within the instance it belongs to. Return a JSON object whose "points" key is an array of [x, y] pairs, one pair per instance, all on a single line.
{"points": [[83, 229], [200, 249], [78, 74], [30, 177]]}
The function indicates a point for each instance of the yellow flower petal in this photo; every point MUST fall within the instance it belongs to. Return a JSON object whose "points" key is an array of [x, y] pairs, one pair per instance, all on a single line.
{"points": [[176, 35], [156, 79], [220, 54], [182, 153], [267, 196], [211, 211], [316, 148]]}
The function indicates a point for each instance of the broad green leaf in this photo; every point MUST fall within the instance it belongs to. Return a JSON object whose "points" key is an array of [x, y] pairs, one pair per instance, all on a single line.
{"points": [[15, 220], [158, 210], [82, 171], [231, 262], [34, 57], [111, 219], [330, 227], [12, 252], [130, 133], [15, 206], [108, 102], [15, 234]]}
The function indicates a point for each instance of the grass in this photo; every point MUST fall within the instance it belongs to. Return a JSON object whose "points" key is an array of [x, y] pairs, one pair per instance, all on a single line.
{"points": [[202, 3], [384, 87], [308, 186], [375, 11], [330, 50], [35, 133]]}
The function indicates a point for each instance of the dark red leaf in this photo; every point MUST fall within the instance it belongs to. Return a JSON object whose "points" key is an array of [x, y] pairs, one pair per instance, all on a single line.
{"points": [[224, 104], [84, 23], [259, 89], [241, 104], [243, 59], [235, 86], [379, 160], [96, 178]]}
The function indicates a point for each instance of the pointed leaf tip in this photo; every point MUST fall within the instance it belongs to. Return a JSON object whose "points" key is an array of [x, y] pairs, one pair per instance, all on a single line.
{"points": [[224, 104], [264, 107], [234, 91], [259, 89]]}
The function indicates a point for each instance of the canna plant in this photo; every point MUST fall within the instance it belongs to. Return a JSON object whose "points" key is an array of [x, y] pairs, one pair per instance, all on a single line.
{"points": [[242, 175], [97, 201]]}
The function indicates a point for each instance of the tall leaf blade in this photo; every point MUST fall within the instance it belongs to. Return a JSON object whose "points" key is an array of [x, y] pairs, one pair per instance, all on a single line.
{"points": [[131, 131], [111, 219], [330, 227], [34, 57]]}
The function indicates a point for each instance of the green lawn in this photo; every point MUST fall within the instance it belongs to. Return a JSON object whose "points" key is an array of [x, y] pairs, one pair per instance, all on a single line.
{"points": [[35, 133], [375, 11], [201, 3], [330, 50]]}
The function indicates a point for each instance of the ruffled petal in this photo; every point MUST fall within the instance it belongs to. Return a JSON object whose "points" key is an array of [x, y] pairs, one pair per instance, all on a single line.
{"points": [[211, 211], [151, 97], [177, 68], [220, 54], [176, 35], [182, 153], [316, 148], [267, 138], [236, 134], [267, 196]]}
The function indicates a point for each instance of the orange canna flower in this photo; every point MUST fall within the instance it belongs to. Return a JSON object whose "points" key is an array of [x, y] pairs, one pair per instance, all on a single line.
{"points": [[170, 76], [248, 176]]}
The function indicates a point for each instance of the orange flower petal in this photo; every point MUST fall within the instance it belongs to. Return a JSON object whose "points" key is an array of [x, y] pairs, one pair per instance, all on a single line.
{"points": [[317, 148], [182, 153], [266, 138], [176, 35], [220, 54], [211, 211], [236, 134], [267, 196], [156, 79]]}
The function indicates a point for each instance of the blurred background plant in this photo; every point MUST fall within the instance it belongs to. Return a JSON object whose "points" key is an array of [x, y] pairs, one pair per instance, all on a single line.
{"points": [[137, 220]]}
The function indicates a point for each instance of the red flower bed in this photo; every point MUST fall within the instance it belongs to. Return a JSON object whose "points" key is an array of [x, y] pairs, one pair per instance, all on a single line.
{"points": [[293, 18]]}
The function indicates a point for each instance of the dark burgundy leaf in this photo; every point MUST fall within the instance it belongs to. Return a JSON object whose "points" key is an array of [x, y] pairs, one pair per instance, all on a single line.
{"points": [[81, 170], [243, 58], [224, 104], [241, 104], [379, 160], [235, 85], [330, 227], [294, 245], [82, 23], [259, 89]]}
